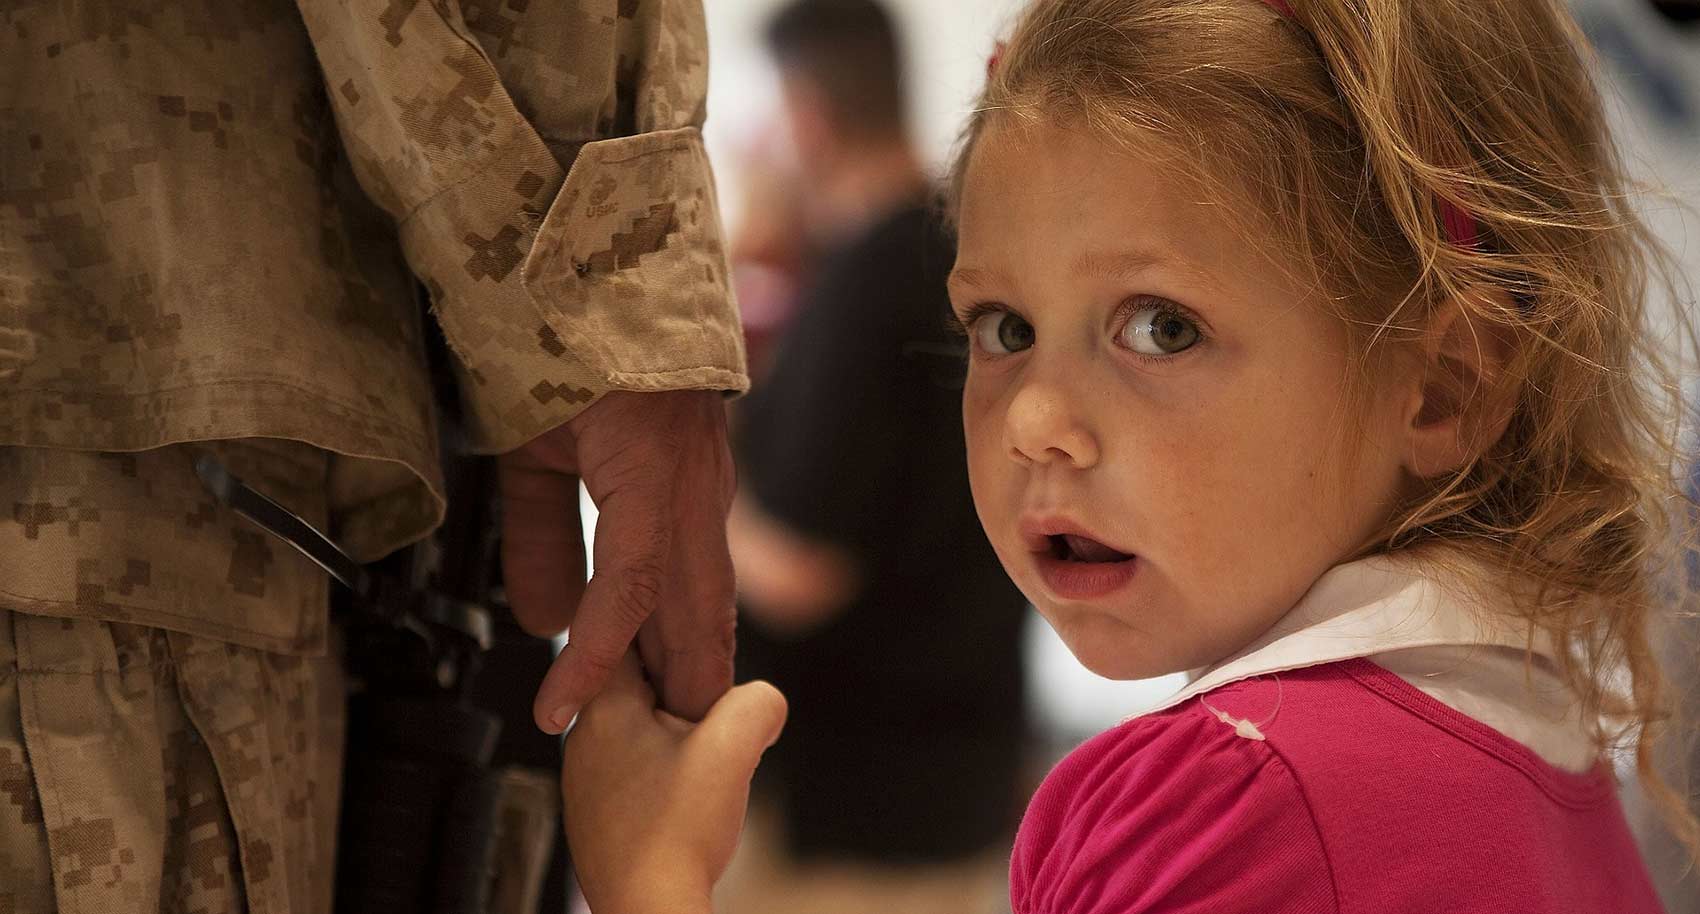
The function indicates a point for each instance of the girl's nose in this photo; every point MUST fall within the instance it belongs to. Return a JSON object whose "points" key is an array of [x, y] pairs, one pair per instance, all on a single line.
{"points": [[1043, 428]]}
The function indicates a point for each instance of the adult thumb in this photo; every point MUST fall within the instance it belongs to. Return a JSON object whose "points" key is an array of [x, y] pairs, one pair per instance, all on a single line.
{"points": [[738, 729]]}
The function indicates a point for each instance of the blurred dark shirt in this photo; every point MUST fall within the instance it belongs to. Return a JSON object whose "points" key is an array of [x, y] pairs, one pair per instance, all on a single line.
{"points": [[906, 732]]}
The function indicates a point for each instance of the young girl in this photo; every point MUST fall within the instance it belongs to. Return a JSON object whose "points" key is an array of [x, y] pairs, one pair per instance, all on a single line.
{"points": [[1307, 353]]}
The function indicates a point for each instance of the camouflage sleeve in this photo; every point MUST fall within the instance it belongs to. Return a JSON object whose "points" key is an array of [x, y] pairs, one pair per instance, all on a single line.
{"points": [[545, 167]]}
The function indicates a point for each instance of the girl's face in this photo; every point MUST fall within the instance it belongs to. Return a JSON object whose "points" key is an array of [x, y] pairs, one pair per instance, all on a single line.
{"points": [[1154, 412]]}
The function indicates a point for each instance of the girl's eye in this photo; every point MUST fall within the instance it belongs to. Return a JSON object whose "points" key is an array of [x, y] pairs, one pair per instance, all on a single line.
{"points": [[1002, 332], [1159, 331]]}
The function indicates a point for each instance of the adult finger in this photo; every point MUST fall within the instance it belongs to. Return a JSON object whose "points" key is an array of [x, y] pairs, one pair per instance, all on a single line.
{"points": [[696, 622], [689, 642], [542, 545], [632, 543]]}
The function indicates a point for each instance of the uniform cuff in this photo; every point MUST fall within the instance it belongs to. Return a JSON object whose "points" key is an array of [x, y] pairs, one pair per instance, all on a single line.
{"points": [[629, 268]]}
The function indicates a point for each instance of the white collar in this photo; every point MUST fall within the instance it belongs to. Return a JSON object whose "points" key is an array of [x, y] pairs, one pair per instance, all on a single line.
{"points": [[1371, 606]]}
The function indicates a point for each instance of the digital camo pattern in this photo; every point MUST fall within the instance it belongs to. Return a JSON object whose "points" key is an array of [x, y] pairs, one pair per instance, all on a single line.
{"points": [[212, 214], [214, 217], [135, 538], [142, 770], [183, 253], [471, 152]]}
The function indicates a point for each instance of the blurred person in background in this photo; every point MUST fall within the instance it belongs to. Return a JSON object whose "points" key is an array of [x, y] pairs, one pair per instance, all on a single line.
{"points": [[770, 250], [860, 561]]}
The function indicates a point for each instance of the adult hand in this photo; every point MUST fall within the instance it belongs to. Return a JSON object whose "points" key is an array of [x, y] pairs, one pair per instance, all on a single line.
{"points": [[660, 471]]}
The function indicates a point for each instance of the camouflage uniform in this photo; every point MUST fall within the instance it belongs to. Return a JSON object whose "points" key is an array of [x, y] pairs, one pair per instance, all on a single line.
{"points": [[212, 215]]}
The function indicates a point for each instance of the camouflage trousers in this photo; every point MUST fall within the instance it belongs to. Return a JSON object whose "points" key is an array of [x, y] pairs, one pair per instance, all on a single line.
{"points": [[144, 770]]}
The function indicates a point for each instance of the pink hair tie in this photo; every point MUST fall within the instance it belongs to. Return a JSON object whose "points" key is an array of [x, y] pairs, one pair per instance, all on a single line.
{"points": [[997, 55], [1460, 226]]}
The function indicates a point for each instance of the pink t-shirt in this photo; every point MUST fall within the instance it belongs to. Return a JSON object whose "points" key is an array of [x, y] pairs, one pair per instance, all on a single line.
{"points": [[1365, 797]]}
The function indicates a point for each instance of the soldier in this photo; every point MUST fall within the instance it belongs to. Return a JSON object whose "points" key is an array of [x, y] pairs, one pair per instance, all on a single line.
{"points": [[213, 218]]}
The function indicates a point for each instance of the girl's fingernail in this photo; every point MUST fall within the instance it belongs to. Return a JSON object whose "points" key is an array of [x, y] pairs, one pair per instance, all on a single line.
{"points": [[562, 716]]}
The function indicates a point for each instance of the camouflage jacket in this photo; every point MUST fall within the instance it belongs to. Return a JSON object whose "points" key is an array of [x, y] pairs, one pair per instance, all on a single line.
{"points": [[215, 215]]}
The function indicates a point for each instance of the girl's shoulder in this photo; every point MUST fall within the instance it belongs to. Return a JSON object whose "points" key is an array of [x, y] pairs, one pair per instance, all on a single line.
{"points": [[1309, 786], [1353, 728], [1170, 811]]}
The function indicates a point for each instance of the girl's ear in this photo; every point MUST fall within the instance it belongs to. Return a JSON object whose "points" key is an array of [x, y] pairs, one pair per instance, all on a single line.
{"points": [[1463, 400]]}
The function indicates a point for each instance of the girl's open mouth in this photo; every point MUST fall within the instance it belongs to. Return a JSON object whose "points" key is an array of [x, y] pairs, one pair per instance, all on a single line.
{"points": [[1081, 568], [1071, 548]]}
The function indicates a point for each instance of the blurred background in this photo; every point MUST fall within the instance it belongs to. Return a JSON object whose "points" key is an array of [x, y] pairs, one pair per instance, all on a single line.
{"points": [[927, 699]]}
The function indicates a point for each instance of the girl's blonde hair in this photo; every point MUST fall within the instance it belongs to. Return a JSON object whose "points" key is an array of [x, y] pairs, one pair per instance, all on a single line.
{"points": [[1348, 127]]}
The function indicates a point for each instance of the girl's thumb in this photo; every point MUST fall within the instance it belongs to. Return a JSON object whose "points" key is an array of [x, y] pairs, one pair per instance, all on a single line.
{"points": [[740, 727]]}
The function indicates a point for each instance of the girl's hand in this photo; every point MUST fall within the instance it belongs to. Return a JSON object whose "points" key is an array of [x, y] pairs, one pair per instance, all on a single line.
{"points": [[653, 803]]}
